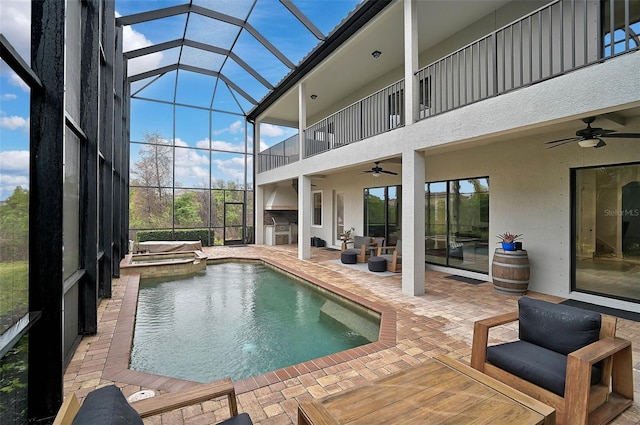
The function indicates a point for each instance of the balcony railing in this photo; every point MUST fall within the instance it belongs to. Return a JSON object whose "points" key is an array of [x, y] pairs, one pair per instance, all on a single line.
{"points": [[375, 114], [285, 152], [548, 42]]}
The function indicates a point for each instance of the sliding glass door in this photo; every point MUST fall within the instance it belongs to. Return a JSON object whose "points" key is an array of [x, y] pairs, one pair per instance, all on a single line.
{"points": [[382, 213], [457, 224], [606, 226]]}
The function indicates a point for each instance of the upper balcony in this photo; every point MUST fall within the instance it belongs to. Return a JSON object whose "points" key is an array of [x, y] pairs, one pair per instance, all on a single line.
{"points": [[544, 43]]}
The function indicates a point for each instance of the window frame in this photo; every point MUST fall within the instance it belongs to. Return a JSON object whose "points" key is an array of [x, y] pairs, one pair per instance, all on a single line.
{"points": [[316, 216]]}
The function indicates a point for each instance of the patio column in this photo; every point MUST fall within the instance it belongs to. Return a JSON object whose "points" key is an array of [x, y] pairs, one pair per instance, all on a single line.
{"points": [[259, 207], [302, 117], [304, 183], [410, 61], [304, 217], [259, 190], [413, 176]]}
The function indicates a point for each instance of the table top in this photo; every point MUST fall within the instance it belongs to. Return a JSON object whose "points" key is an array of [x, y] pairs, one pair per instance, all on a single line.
{"points": [[438, 391]]}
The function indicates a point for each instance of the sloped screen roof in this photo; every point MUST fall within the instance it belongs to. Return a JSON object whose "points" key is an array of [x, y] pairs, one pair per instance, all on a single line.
{"points": [[220, 54]]}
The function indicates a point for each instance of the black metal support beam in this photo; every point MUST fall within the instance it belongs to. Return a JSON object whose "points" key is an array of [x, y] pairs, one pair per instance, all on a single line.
{"points": [[107, 150], [46, 209], [89, 122], [121, 148], [19, 66], [358, 19]]}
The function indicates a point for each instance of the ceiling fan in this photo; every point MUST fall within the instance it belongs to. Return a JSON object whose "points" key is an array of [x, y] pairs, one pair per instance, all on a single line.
{"points": [[377, 170], [591, 137]]}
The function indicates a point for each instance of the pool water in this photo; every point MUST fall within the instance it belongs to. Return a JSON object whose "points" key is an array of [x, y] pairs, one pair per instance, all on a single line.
{"points": [[238, 320]]}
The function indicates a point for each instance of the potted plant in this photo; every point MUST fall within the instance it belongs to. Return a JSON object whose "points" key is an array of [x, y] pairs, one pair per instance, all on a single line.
{"points": [[508, 240], [346, 234]]}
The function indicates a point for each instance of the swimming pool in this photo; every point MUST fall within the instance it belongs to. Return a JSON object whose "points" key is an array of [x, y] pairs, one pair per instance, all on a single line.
{"points": [[241, 319]]}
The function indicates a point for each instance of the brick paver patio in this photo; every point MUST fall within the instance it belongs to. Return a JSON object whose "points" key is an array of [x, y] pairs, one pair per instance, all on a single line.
{"points": [[439, 322]]}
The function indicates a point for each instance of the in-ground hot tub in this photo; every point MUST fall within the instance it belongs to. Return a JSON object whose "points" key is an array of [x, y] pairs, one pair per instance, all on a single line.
{"points": [[159, 264]]}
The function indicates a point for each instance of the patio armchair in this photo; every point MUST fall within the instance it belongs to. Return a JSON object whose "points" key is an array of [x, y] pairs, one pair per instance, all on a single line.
{"points": [[361, 245], [393, 255], [566, 357], [107, 405]]}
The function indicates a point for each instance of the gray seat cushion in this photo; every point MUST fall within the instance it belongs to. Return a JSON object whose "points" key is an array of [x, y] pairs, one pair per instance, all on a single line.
{"points": [[241, 419], [538, 365], [106, 406], [358, 241], [557, 327]]}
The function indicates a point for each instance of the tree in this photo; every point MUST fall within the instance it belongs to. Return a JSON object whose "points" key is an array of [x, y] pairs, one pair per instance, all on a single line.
{"points": [[186, 210], [152, 172], [14, 226]]}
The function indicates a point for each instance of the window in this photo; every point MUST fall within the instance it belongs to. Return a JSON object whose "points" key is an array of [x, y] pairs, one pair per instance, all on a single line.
{"points": [[606, 229], [382, 213], [317, 208], [457, 224], [339, 214]]}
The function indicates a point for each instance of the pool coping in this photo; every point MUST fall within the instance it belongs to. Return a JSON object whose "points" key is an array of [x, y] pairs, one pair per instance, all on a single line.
{"points": [[117, 361]]}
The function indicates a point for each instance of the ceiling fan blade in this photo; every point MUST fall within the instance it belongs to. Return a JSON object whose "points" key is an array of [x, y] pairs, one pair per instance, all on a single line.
{"points": [[568, 139], [600, 144], [599, 132], [389, 172], [624, 135], [564, 142]]}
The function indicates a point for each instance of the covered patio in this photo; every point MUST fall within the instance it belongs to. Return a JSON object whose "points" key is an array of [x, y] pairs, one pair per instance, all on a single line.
{"points": [[437, 323]]}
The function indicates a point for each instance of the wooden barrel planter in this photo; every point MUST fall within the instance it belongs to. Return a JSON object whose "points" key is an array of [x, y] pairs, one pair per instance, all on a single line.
{"points": [[510, 271]]}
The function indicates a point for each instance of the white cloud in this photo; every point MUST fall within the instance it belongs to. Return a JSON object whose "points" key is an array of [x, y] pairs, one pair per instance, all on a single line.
{"points": [[220, 145], [270, 130], [226, 146], [190, 158], [15, 172], [203, 144], [14, 123], [263, 145], [15, 80], [9, 182], [234, 128], [193, 174], [15, 21], [8, 96], [233, 167], [133, 40]]}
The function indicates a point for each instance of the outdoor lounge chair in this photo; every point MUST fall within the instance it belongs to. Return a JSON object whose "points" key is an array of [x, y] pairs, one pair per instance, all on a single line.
{"points": [[361, 244], [566, 357], [393, 255], [107, 405]]}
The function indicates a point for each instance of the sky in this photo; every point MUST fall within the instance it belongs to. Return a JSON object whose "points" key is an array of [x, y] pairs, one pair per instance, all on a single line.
{"points": [[223, 132]]}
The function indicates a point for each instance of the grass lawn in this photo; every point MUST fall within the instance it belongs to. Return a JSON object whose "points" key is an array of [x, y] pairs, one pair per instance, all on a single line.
{"points": [[14, 288]]}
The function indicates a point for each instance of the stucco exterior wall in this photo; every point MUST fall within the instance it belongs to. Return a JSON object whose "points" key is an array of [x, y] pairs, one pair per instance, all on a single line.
{"points": [[502, 138]]}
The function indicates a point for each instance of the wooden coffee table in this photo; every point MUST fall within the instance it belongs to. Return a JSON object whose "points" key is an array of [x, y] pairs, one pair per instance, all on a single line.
{"points": [[438, 391]]}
